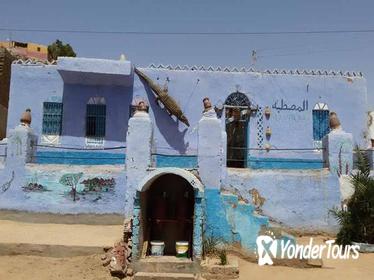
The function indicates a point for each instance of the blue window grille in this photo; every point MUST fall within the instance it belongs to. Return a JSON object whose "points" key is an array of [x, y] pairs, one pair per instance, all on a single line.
{"points": [[320, 124], [95, 120], [52, 118]]}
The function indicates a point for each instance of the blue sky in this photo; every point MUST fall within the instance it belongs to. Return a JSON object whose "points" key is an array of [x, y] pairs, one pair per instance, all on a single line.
{"points": [[312, 51]]}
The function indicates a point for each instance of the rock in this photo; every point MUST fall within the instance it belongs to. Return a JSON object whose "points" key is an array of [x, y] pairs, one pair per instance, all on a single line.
{"points": [[115, 268], [130, 272], [118, 259], [364, 247], [107, 248], [105, 260], [315, 262]]}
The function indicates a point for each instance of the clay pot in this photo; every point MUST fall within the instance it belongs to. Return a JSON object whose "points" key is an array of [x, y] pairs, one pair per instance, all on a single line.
{"points": [[267, 112], [26, 117], [268, 132], [334, 121]]}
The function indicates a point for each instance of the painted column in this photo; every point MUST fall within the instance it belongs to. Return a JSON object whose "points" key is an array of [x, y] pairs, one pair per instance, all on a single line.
{"points": [[210, 150], [21, 146], [138, 155], [198, 225], [136, 227], [212, 171], [338, 152]]}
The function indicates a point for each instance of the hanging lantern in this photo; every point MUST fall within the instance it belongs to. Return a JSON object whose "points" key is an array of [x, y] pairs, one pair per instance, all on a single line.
{"points": [[268, 132], [267, 112]]}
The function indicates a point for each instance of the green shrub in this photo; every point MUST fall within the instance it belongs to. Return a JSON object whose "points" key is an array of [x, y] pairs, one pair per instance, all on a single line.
{"points": [[210, 245], [357, 223], [222, 254]]}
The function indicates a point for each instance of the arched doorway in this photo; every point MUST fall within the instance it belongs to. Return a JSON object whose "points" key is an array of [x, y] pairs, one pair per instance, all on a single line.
{"points": [[237, 112], [169, 211], [169, 208]]}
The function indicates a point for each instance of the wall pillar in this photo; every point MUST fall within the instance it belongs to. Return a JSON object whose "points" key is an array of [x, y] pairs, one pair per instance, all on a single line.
{"points": [[138, 155], [136, 234], [370, 155], [198, 224], [338, 152], [211, 150], [21, 146]]}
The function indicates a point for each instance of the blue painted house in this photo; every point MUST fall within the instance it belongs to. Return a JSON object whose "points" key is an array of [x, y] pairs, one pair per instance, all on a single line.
{"points": [[260, 155]]}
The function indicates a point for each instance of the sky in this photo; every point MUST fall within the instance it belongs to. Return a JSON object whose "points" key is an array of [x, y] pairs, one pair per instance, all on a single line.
{"points": [[344, 51]]}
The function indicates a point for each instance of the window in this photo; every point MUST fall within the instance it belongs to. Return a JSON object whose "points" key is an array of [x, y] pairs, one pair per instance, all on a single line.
{"points": [[95, 118], [320, 121], [38, 49], [20, 45], [52, 118]]}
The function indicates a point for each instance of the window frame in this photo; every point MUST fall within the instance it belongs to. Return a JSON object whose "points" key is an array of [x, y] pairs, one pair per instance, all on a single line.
{"points": [[53, 118], [319, 108], [95, 120]]}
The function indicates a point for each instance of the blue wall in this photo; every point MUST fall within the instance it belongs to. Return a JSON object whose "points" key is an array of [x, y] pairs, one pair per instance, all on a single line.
{"points": [[31, 85], [296, 198], [55, 197], [230, 220], [75, 99], [290, 129]]}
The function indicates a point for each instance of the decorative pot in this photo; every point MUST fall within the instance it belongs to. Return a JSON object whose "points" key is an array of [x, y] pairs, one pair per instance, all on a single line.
{"points": [[268, 132], [267, 112]]}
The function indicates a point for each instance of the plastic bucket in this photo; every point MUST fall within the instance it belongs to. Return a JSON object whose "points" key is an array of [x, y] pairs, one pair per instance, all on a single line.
{"points": [[182, 249], [157, 248]]}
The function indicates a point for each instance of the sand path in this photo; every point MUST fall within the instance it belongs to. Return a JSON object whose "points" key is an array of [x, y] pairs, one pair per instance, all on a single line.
{"points": [[59, 234], [42, 267]]}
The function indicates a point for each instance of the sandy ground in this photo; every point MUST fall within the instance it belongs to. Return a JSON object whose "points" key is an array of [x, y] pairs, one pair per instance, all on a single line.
{"points": [[59, 234], [362, 268], [89, 267], [41, 266]]}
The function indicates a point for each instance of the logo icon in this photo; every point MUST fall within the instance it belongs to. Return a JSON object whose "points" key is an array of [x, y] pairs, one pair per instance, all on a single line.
{"points": [[266, 249]]}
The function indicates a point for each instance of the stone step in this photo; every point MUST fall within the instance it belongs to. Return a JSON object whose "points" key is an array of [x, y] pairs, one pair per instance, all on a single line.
{"points": [[163, 276], [166, 264]]}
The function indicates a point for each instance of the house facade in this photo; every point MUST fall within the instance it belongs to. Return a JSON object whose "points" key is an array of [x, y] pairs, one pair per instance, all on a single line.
{"points": [[263, 151]]}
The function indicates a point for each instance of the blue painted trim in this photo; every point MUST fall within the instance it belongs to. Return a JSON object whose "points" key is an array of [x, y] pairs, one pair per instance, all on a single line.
{"points": [[102, 158], [284, 163], [79, 158], [176, 161]]}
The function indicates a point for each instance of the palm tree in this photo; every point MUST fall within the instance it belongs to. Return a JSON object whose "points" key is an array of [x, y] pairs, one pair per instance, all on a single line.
{"points": [[357, 222]]}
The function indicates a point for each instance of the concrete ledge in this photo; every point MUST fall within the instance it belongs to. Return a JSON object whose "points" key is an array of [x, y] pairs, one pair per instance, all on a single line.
{"points": [[90, 71], [215, 271]]}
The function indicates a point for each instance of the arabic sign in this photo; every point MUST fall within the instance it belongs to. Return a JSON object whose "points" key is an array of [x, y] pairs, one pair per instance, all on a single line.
{"points": [[283, 106]]}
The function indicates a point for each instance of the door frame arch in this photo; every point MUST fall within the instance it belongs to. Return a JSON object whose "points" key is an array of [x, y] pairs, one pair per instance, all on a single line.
{"points": [[199, 209]]}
